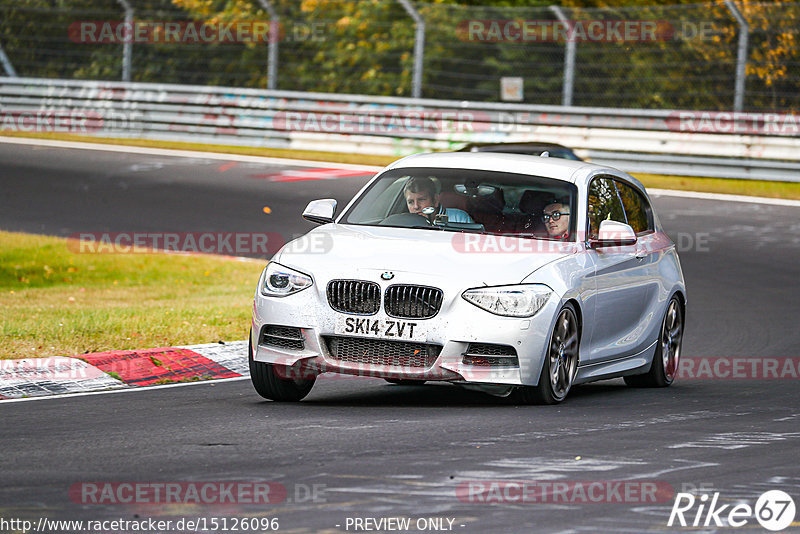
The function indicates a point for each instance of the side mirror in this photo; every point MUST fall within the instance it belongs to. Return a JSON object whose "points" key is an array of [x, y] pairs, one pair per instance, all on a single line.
{"points": [[320, 211], [613, 233]]}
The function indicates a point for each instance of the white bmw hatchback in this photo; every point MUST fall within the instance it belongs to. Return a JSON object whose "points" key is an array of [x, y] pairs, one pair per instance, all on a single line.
{"points": [[515, 275]]}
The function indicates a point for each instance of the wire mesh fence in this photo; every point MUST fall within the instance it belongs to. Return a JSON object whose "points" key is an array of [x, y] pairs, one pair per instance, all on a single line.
{"points": [[690, 56]]}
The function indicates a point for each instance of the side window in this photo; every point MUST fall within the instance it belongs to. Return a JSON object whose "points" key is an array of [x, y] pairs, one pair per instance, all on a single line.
{"points": [[604, 204], [637, 209]]}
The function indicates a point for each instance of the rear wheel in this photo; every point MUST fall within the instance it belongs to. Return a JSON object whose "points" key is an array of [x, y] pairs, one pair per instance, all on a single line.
{"points": [[560, 364], [668, 351], [271, 382]]}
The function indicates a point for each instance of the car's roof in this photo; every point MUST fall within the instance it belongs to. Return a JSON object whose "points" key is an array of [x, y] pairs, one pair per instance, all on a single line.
{"points": [[558, 168]]}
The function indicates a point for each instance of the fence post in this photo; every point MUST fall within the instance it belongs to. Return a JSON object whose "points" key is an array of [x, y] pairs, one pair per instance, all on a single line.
{"points": [[7, 66], [741, 55], [127, 47], [274, 36], [569, 58], [419, 47]]}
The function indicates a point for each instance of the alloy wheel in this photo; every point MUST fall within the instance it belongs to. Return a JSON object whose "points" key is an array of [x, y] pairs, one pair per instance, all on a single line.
{"points": [[563, 353]]}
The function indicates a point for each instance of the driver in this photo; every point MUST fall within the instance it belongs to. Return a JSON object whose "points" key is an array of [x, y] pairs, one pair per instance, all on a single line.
{"points": [[556, 219], [421, 192]]}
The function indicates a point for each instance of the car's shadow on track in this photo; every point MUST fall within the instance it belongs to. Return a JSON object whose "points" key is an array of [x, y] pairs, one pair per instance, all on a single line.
{"points": [[610, 393]]}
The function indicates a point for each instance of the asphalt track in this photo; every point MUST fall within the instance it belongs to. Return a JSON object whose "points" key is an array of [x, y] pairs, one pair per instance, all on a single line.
{"points": [[378, 450]]}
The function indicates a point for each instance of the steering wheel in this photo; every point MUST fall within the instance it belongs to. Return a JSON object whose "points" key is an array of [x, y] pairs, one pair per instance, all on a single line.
{"points": [[406, 219]]}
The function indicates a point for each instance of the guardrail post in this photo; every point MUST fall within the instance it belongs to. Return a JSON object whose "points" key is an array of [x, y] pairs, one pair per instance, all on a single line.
{"points": [[7, 66], [127, 47], [274, 36], [569, 58], [419, 47], [741, 55]]}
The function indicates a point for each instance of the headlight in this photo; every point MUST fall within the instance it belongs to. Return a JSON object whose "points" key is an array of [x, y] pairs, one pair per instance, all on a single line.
{"points": [[511, 301], [279, 281]]}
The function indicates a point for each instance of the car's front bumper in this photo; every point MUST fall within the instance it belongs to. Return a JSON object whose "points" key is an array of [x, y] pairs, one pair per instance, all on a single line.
{"points": [[457, 324]]}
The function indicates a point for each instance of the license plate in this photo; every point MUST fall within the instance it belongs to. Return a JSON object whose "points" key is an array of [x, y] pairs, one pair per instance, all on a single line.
{"points": [[381, 328]]}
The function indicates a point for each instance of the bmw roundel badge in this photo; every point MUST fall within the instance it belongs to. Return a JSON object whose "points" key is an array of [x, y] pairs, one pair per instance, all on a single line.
{"points": [[387, 275]]}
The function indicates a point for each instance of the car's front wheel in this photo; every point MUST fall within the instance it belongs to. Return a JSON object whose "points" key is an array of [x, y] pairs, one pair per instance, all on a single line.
{"points": [[560, 364], [273, 381], [664, 368]]}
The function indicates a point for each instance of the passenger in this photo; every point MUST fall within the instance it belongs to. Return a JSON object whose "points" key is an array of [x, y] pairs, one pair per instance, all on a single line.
{"points": [[556, 219], [421, 192]]}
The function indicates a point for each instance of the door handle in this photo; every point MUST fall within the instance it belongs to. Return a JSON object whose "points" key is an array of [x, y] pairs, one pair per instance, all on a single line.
{"points": [[641, 254]]}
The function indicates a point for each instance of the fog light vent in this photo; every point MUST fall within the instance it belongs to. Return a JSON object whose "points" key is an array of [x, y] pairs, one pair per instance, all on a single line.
{"points": [[285, 337], [490, 355]]}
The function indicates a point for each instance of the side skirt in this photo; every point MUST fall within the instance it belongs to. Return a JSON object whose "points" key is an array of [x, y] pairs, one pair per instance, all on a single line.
{"points": [[630, 365]]}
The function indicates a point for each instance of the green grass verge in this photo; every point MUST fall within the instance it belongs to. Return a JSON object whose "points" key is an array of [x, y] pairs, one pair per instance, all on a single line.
{"points": [[54, 301], [728, 186], [760, 188]]}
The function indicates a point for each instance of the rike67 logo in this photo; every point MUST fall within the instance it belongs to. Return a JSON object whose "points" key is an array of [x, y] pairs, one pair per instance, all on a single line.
{"points": [[774, 510]]}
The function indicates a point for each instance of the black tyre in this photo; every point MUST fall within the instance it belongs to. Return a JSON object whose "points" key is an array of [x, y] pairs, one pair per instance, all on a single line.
{"points": [[561, 364], [270, 382], [666, 359]]}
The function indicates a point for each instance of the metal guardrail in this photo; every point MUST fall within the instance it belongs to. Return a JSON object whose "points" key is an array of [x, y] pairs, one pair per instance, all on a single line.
{"points": [[699, 166], [652, 141]]}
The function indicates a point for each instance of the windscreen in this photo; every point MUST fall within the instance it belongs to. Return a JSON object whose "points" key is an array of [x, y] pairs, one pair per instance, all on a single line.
{"points": [[468, 200]]}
